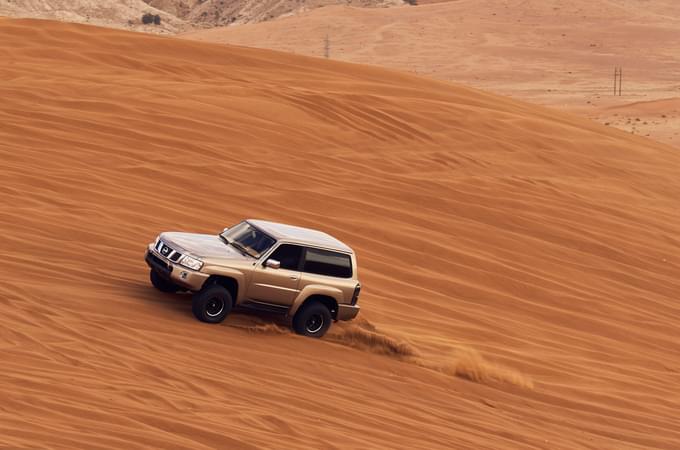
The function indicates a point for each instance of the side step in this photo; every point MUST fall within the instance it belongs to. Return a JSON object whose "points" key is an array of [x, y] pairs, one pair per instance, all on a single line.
{"points": [[264, 307]]}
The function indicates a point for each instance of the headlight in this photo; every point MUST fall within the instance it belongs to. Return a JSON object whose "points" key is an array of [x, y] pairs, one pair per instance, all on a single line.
{"points": [[191, 263]]}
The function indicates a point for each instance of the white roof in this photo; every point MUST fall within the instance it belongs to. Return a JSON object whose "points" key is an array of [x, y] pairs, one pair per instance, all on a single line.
{"points": [[300, 235]]}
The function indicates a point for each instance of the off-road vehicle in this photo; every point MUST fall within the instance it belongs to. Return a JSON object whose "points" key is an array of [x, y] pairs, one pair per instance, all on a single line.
{"points": [[305, 274]]}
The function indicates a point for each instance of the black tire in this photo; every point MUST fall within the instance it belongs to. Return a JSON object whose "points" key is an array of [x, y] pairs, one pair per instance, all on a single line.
{"points": [[162, 284], [212, 304], [312, 320]]}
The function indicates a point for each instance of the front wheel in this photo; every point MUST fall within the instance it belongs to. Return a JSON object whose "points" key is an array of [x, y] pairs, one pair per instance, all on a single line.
{"points": [[312, 320], [212, 304], [162, 284]]}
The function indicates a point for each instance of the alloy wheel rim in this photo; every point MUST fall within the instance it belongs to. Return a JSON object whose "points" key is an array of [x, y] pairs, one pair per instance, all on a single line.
{"points": [[314, 323], [214, 307]]}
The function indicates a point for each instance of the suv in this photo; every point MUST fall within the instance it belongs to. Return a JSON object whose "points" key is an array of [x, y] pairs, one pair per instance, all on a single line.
{"points": [[305, 274]]}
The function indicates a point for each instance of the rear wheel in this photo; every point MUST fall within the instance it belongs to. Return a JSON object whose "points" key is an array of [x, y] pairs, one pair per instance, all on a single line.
{"points": [[212, 304], [312, 320], [162, 284]]}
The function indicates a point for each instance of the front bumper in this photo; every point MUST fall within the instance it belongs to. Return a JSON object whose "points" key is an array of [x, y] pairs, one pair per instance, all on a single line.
{"points": [[347, 312], [180, 275]]}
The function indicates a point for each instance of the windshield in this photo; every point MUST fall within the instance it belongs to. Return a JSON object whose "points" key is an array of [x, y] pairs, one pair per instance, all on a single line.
{"points": [[248, 239]]}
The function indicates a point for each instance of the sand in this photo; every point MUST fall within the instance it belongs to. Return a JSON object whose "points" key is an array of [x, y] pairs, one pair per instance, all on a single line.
{"points": [[559, 53], [520, 264]]}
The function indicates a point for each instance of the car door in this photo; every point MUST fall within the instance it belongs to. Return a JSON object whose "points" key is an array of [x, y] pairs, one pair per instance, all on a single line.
{"points": [[277, 286]]}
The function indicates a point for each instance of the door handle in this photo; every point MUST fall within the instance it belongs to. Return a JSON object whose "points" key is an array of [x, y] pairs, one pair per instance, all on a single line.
{"points": [[293, 277]]}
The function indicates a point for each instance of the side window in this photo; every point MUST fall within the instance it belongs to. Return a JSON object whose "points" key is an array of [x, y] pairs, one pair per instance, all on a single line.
{"points": [[289, 256], [324, 262]]}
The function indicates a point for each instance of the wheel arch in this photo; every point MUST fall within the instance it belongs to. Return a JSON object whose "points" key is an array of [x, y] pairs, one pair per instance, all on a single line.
{"points": [[324, 298], [230, 283]]}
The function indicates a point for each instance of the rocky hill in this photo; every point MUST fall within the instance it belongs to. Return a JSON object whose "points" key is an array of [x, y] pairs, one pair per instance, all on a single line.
{"points": [[219, 12], [174, 15]]}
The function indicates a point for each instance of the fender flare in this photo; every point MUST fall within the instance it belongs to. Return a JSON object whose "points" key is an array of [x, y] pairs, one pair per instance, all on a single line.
{"points": [[315, 289], [236, 275]]}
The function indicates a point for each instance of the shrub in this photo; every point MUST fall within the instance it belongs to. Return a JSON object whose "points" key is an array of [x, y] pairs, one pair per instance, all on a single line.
{"points": [[149, 18]]}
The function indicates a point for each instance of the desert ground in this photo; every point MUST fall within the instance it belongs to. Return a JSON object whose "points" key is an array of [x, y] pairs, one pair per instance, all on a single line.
{"points": [[520, 264], [560, 53]]}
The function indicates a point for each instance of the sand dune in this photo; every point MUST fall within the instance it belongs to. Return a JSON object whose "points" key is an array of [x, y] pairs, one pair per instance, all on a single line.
{"points": [[539, 242], [559, 53]]}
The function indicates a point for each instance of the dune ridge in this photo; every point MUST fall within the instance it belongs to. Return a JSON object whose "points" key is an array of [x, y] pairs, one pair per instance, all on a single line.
{"points": [[546, 242]]}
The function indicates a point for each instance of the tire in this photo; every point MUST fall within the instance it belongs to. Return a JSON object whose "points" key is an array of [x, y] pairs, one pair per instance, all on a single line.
{"points": [[162, 284], [312, 320], [212, 304]]}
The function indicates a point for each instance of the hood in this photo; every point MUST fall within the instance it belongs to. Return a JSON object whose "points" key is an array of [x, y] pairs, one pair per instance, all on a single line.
{"points": [[202, 245]]}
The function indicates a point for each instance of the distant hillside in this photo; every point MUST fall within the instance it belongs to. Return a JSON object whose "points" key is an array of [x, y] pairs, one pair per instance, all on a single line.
{"points": [[175, 15], [110, 13], [220, 12]]}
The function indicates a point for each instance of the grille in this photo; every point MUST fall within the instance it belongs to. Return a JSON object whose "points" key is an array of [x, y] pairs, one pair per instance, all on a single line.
{"points": [[167, 251], [158, 263]]}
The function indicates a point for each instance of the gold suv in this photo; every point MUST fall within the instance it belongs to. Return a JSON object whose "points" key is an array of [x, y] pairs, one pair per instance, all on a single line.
{"points": [[305, 274]]}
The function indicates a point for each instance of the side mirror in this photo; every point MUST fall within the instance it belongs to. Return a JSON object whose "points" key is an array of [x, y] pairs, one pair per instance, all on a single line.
{"points": [[273, 264]]}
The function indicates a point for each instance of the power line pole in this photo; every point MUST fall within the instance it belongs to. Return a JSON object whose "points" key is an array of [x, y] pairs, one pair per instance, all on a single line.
{"points": [[327, 47], [616, 75]]}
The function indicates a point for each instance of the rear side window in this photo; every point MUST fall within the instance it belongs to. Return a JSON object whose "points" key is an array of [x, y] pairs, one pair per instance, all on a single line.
{"points": [[288, 255], [324, 262]]}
